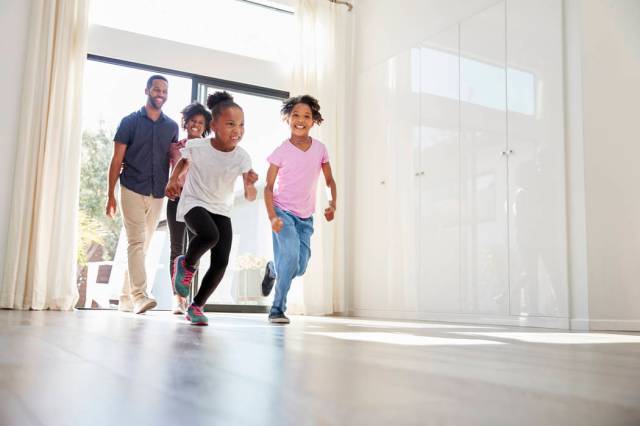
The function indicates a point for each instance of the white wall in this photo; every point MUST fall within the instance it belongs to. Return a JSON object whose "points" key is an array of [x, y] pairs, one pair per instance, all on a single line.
{"points": [[147, 50], [611, 108], [13, 32]]}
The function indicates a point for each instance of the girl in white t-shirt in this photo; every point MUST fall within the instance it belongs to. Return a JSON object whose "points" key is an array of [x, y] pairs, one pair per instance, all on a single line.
{"points": [[207, 198], [196, 120]]}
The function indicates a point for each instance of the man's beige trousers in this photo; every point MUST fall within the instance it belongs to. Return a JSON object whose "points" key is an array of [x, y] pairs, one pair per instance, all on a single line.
{"points": [[140, 214]]}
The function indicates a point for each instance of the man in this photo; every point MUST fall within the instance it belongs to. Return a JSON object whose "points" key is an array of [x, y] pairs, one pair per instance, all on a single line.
{"points": [[141, 161]]}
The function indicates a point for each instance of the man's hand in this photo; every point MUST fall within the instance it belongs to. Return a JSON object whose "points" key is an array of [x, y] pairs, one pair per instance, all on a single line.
{"points": [[111, 207], [276, 224]]}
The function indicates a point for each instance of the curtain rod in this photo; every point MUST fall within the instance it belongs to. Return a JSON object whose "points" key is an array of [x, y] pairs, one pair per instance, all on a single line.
{"points": [[346, 3]]}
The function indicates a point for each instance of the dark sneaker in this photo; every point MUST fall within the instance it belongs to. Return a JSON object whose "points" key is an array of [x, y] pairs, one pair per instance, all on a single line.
{"points": [[278, 319], [269, 278]]}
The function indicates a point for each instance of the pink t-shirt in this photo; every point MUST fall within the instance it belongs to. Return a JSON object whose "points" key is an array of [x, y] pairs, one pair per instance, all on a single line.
{"points": [[298, 176]]}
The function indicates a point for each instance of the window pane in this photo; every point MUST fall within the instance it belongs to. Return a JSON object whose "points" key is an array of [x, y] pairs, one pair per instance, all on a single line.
{"points": [[226, 25]]}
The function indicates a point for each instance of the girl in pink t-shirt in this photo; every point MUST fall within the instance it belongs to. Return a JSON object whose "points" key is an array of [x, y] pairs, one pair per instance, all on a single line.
{"points": [[296, 164]]}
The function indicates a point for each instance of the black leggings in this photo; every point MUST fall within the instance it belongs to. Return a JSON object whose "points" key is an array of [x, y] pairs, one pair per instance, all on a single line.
{"points": [[177, 234], [211, 232]]}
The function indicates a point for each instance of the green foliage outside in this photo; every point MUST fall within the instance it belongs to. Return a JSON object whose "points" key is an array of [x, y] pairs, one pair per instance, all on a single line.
{"points": [[96, 229]]}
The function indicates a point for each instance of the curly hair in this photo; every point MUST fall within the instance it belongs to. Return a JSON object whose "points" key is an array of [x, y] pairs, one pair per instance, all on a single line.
{"points": [[194, 109], [289, 104], [219, 101]]}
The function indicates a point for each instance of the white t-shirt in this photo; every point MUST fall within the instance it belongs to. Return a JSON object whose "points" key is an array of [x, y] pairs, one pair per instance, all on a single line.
{"points": [[211, 177]]}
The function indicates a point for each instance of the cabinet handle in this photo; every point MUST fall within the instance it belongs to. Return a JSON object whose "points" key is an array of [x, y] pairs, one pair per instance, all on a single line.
{"points": [[382, 182], [504, 153]]}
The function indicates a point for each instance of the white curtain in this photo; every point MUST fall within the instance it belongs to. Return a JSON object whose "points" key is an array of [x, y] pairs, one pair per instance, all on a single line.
{"points": [[322, 69], [40, 264]]}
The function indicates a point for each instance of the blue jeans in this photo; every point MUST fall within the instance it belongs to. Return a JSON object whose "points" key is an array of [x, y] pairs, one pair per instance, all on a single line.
{"points": [[291, 252]]}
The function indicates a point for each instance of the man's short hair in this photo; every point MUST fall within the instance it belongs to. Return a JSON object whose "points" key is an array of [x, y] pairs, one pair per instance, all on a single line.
{"points": [[156, 77]]}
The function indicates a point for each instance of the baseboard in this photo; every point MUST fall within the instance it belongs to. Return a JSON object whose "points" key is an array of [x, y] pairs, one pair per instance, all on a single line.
{"points": [[579, 324], [614, 325], [519, 321]]}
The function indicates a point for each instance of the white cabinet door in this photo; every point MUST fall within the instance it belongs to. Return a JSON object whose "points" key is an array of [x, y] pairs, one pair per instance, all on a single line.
{"points": [[439, 174], [459, 170], [402, 139], [484, 240], [537, 231], [370, 286]]}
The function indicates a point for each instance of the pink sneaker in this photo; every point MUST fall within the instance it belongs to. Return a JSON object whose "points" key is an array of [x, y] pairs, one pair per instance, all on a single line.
{"points": [[196, 316], [182, 277]]}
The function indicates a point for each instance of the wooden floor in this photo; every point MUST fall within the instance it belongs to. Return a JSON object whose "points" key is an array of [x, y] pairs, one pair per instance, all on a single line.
{"points": [[109, 368]]}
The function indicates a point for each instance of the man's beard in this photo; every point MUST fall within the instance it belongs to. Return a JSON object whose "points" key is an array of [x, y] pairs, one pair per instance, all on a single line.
{"points": [[155, 102]]}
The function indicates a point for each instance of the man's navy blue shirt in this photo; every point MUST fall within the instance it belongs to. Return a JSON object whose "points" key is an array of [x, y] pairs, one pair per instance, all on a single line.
{"points": [[146, 161]]}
